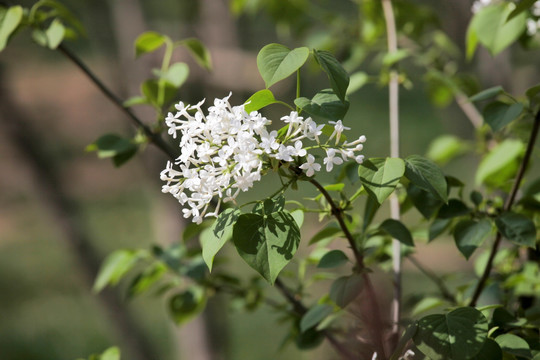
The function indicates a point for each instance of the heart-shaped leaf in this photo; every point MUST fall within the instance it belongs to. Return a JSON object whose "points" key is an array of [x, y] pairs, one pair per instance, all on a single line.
{"points": [[426, 175], [277, 62], [492, 29], [458, 335], [266, 242], [380, 176], [517, 228], [470, 234], [498, 114]]}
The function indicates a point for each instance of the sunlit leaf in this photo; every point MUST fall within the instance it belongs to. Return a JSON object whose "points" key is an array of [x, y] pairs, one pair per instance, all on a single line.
{"points": [[457, 335], [277, 62], [380, 176], [148, 42]]}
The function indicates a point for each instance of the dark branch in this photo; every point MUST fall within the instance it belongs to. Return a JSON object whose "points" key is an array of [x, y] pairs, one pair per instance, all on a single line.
{"points": [[507, 206]]}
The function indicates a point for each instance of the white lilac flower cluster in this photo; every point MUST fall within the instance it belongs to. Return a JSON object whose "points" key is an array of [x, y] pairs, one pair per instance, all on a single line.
{"points": [[226, 151], [533, 24]]}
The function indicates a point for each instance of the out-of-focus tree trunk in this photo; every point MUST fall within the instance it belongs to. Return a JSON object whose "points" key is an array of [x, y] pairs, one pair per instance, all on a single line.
{"points": [[128, 23], [17, 127]]}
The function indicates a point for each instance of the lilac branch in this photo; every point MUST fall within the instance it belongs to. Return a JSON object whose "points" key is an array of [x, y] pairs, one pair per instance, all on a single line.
{"points": [[507, 206]]}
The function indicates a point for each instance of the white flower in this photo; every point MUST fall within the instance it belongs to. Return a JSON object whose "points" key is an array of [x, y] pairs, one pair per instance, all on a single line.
{"points": [[297, 149], [331, 159], [268, 141], [536, 9], [310, 166], [532, 26], [338, 129], [225, 151]]}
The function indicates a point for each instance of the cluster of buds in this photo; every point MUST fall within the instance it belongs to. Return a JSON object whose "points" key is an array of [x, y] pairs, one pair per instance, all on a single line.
{"points": [[227, 150]]}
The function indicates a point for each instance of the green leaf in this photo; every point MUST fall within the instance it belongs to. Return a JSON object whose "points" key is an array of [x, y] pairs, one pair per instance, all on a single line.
{"points": [[426, 175], [472, 43], [517, 228], [298, 216], [532, 92], [437, 228], [147, 278], [453, 208], [425, 202], [12, 18], [115, 266], [500, 164], [391, 58], [426, 304], [490, 351], [176, 74], [325, 104], [357, 81], [277, 62], [397, 230], [324, 234], [199, 52], [514, 345], [445, 148], [148, 42], [487, 93], [492, 28], [55, 34], [521, 6], [187, 304], [498, 114], [470, 234], [39, 37], [370, 209], [259, 100], [333, 258], [315, 315], [213, 239], [345, 289], [266, 242], [112, 145], [380, 176], [339, 78], [112, 353], [458, 335]]}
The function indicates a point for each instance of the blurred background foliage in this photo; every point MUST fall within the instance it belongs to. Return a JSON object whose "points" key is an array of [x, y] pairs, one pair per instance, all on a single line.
{"points": [[49, 112]]}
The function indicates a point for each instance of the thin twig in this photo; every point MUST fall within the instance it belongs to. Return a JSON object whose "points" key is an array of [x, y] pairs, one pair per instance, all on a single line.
{"points": [[445, 292], [507, 206], [154, 137], [469, 110], [300, 310], [374, 314], [391, 35]]}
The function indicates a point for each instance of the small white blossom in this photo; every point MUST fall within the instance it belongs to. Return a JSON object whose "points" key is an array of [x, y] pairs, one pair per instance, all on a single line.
{"points": [[338, 129], [310, 166], [331, 159]]}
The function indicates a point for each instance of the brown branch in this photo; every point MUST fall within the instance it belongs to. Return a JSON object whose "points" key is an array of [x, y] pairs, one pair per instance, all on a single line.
{"points": [[154, 137], [374, 314], [507, 206]]}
